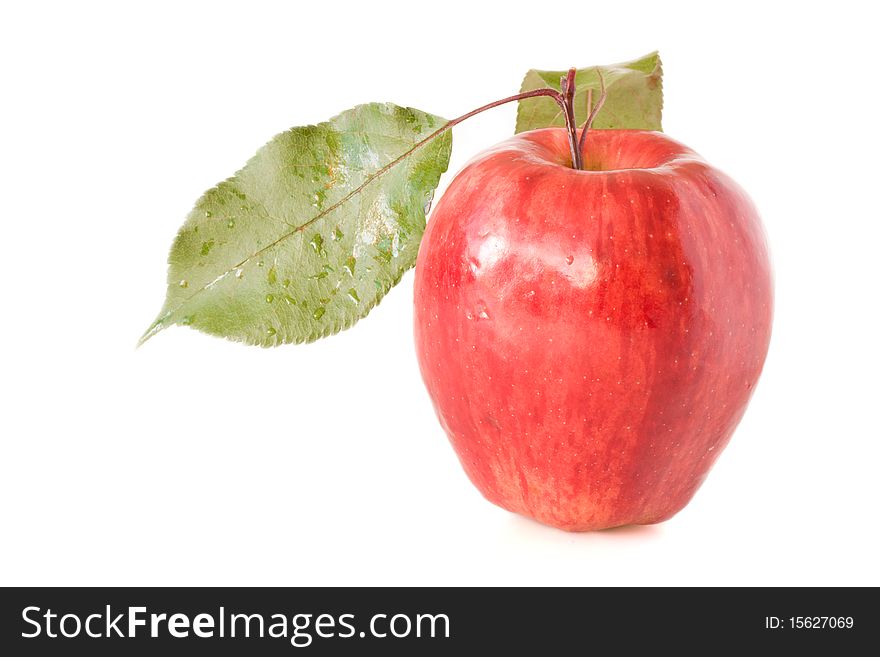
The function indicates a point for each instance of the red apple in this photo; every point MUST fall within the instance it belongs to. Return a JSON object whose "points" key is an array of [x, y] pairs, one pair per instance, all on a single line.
{"points": [[591, 338]]}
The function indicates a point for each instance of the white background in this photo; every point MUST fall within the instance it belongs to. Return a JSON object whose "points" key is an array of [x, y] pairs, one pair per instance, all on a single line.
{"points": [[198, 461]]}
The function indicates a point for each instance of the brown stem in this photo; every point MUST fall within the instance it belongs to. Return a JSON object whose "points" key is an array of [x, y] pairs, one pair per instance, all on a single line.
{"points": [[552, 93], [565, 100], [568, 87], [535, 93]]}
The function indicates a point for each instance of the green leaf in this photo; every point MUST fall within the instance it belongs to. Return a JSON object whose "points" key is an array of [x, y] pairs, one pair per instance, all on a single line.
{"points": [[304, 240], [635, 96]]}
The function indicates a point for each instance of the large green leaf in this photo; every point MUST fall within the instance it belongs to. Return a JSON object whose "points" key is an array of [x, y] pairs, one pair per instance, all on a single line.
{"points": [[312, 232], [635, 96]]}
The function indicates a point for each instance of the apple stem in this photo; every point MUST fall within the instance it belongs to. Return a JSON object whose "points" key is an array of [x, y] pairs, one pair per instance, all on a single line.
{"points": [[564, 99], [535, 93], [567, 85]]}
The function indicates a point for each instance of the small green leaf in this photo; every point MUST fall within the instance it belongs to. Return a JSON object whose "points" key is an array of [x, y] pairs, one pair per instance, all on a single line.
{"points": [[312, 232], [635, 96]]}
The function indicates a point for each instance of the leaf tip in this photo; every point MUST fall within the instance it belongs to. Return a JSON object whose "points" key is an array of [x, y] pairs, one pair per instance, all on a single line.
{"points": [[154, 328]]}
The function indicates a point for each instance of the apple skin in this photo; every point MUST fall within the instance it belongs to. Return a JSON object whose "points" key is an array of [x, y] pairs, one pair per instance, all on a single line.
{"points": [[590, 339]]}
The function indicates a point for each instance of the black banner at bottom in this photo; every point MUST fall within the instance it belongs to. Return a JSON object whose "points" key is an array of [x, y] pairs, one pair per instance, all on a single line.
{"points": [[428, 621]]}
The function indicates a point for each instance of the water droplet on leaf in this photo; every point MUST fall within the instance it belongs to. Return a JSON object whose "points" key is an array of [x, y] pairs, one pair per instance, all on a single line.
{"points": [[319, 312], [183, 283], [317, 244], [272, 276], [349, 265], [353, 295], [270, 298], [318, 198]]}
